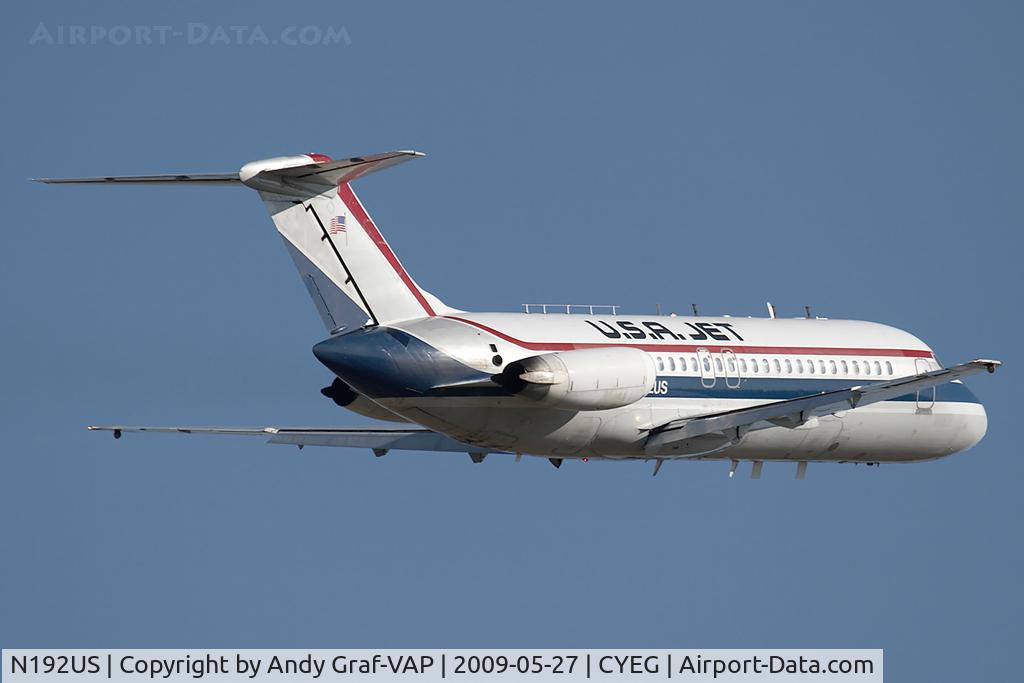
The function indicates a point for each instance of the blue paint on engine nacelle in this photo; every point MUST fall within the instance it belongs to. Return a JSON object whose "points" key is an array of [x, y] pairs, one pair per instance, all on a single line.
{"points": [[382, 362]]}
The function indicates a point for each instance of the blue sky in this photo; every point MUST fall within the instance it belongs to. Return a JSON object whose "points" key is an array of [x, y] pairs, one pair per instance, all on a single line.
{"points": [[862, 158]]}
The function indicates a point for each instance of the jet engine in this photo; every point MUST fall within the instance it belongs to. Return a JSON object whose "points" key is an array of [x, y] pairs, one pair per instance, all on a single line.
{"points": [[585, 379], [347, 397]]}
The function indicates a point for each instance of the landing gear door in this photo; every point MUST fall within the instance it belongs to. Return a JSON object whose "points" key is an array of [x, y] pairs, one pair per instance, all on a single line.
{"points": [[707, 368], [925, 397]]}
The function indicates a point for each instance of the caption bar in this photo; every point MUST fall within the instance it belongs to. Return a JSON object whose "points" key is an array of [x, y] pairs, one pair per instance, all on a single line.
{"points": [[278, 666]]}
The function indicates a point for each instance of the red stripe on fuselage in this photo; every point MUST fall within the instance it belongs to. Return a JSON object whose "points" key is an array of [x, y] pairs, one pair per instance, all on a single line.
{"points": [[355, 207], [791, 350]]}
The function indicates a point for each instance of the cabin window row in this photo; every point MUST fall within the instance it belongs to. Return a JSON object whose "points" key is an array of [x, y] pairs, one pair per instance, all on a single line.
{"points": [[777, 366]]}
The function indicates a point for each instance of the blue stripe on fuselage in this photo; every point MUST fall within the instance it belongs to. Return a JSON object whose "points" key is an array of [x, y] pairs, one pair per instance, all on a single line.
{"points": [[778, 389]]}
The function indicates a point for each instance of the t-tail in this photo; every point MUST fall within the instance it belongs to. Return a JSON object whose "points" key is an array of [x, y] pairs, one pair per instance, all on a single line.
{"points": [[352, 274]]}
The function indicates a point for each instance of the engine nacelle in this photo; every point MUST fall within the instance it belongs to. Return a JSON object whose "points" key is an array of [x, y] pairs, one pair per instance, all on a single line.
{"points": [[585, 379], [346, 397]]}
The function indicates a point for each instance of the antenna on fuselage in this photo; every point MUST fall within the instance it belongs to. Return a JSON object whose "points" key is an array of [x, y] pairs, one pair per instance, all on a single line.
{"points": [[657, 307], [771, 310], [694, 307], [807, 311]]}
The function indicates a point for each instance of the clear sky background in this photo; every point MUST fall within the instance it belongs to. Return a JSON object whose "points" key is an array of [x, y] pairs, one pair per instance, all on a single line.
{"points": [[864, 158]]}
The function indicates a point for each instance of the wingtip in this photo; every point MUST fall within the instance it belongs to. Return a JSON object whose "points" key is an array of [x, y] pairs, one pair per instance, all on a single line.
{"points": [[989, 364], [117, 431]]}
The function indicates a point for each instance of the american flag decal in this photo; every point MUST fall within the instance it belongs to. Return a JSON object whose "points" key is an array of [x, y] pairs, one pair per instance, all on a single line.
{"points": [[337, 225]]}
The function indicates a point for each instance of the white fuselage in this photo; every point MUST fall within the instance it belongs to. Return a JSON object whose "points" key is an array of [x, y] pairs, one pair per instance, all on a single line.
{"points": [[703, 365]]}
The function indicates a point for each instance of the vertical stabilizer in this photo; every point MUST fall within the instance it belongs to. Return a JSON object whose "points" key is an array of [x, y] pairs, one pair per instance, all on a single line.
{"points": [[349, 269]]}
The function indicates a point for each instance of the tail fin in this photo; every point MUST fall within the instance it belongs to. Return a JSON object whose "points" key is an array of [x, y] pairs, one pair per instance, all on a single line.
{"points": [[351, 272], [334, 242]]}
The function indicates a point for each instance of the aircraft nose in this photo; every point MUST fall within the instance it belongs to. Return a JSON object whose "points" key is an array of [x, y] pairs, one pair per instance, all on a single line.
{"points": [[974, 423], [963, 416]]}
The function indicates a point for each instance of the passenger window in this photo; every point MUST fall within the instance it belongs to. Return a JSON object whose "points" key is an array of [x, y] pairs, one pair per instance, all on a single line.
{"points": [[743, 366], [732, 364], [707, 365], [753, 365], [764, 365], [888, 368], [878, 368], [832, 366], [846, 369], [867, 367], [778, 367], [856, 367], [799, 367], [693, 364], [789, 367], [821, 367], [810, 366], [718, 365], [661, 365]]}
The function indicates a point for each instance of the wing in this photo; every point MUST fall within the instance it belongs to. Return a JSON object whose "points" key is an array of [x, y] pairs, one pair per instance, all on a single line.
{"points": [[380, 439], [731, 424]]}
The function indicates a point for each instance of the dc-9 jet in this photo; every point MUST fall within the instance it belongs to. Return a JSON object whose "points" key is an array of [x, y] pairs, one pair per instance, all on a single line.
{"points": [[582, 384]]}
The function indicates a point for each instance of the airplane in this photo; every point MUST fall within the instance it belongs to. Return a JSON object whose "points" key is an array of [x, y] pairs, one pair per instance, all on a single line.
{"points": [[581, 383]]}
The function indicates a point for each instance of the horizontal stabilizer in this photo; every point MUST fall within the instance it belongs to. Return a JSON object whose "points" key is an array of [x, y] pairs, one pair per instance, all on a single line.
{"points": [[305, 175], [170, 178], [280, 174]]}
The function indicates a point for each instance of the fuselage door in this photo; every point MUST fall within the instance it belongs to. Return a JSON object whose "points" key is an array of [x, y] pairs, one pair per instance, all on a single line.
{"points": [[732, 369], [707, 368], [925, 397]]}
